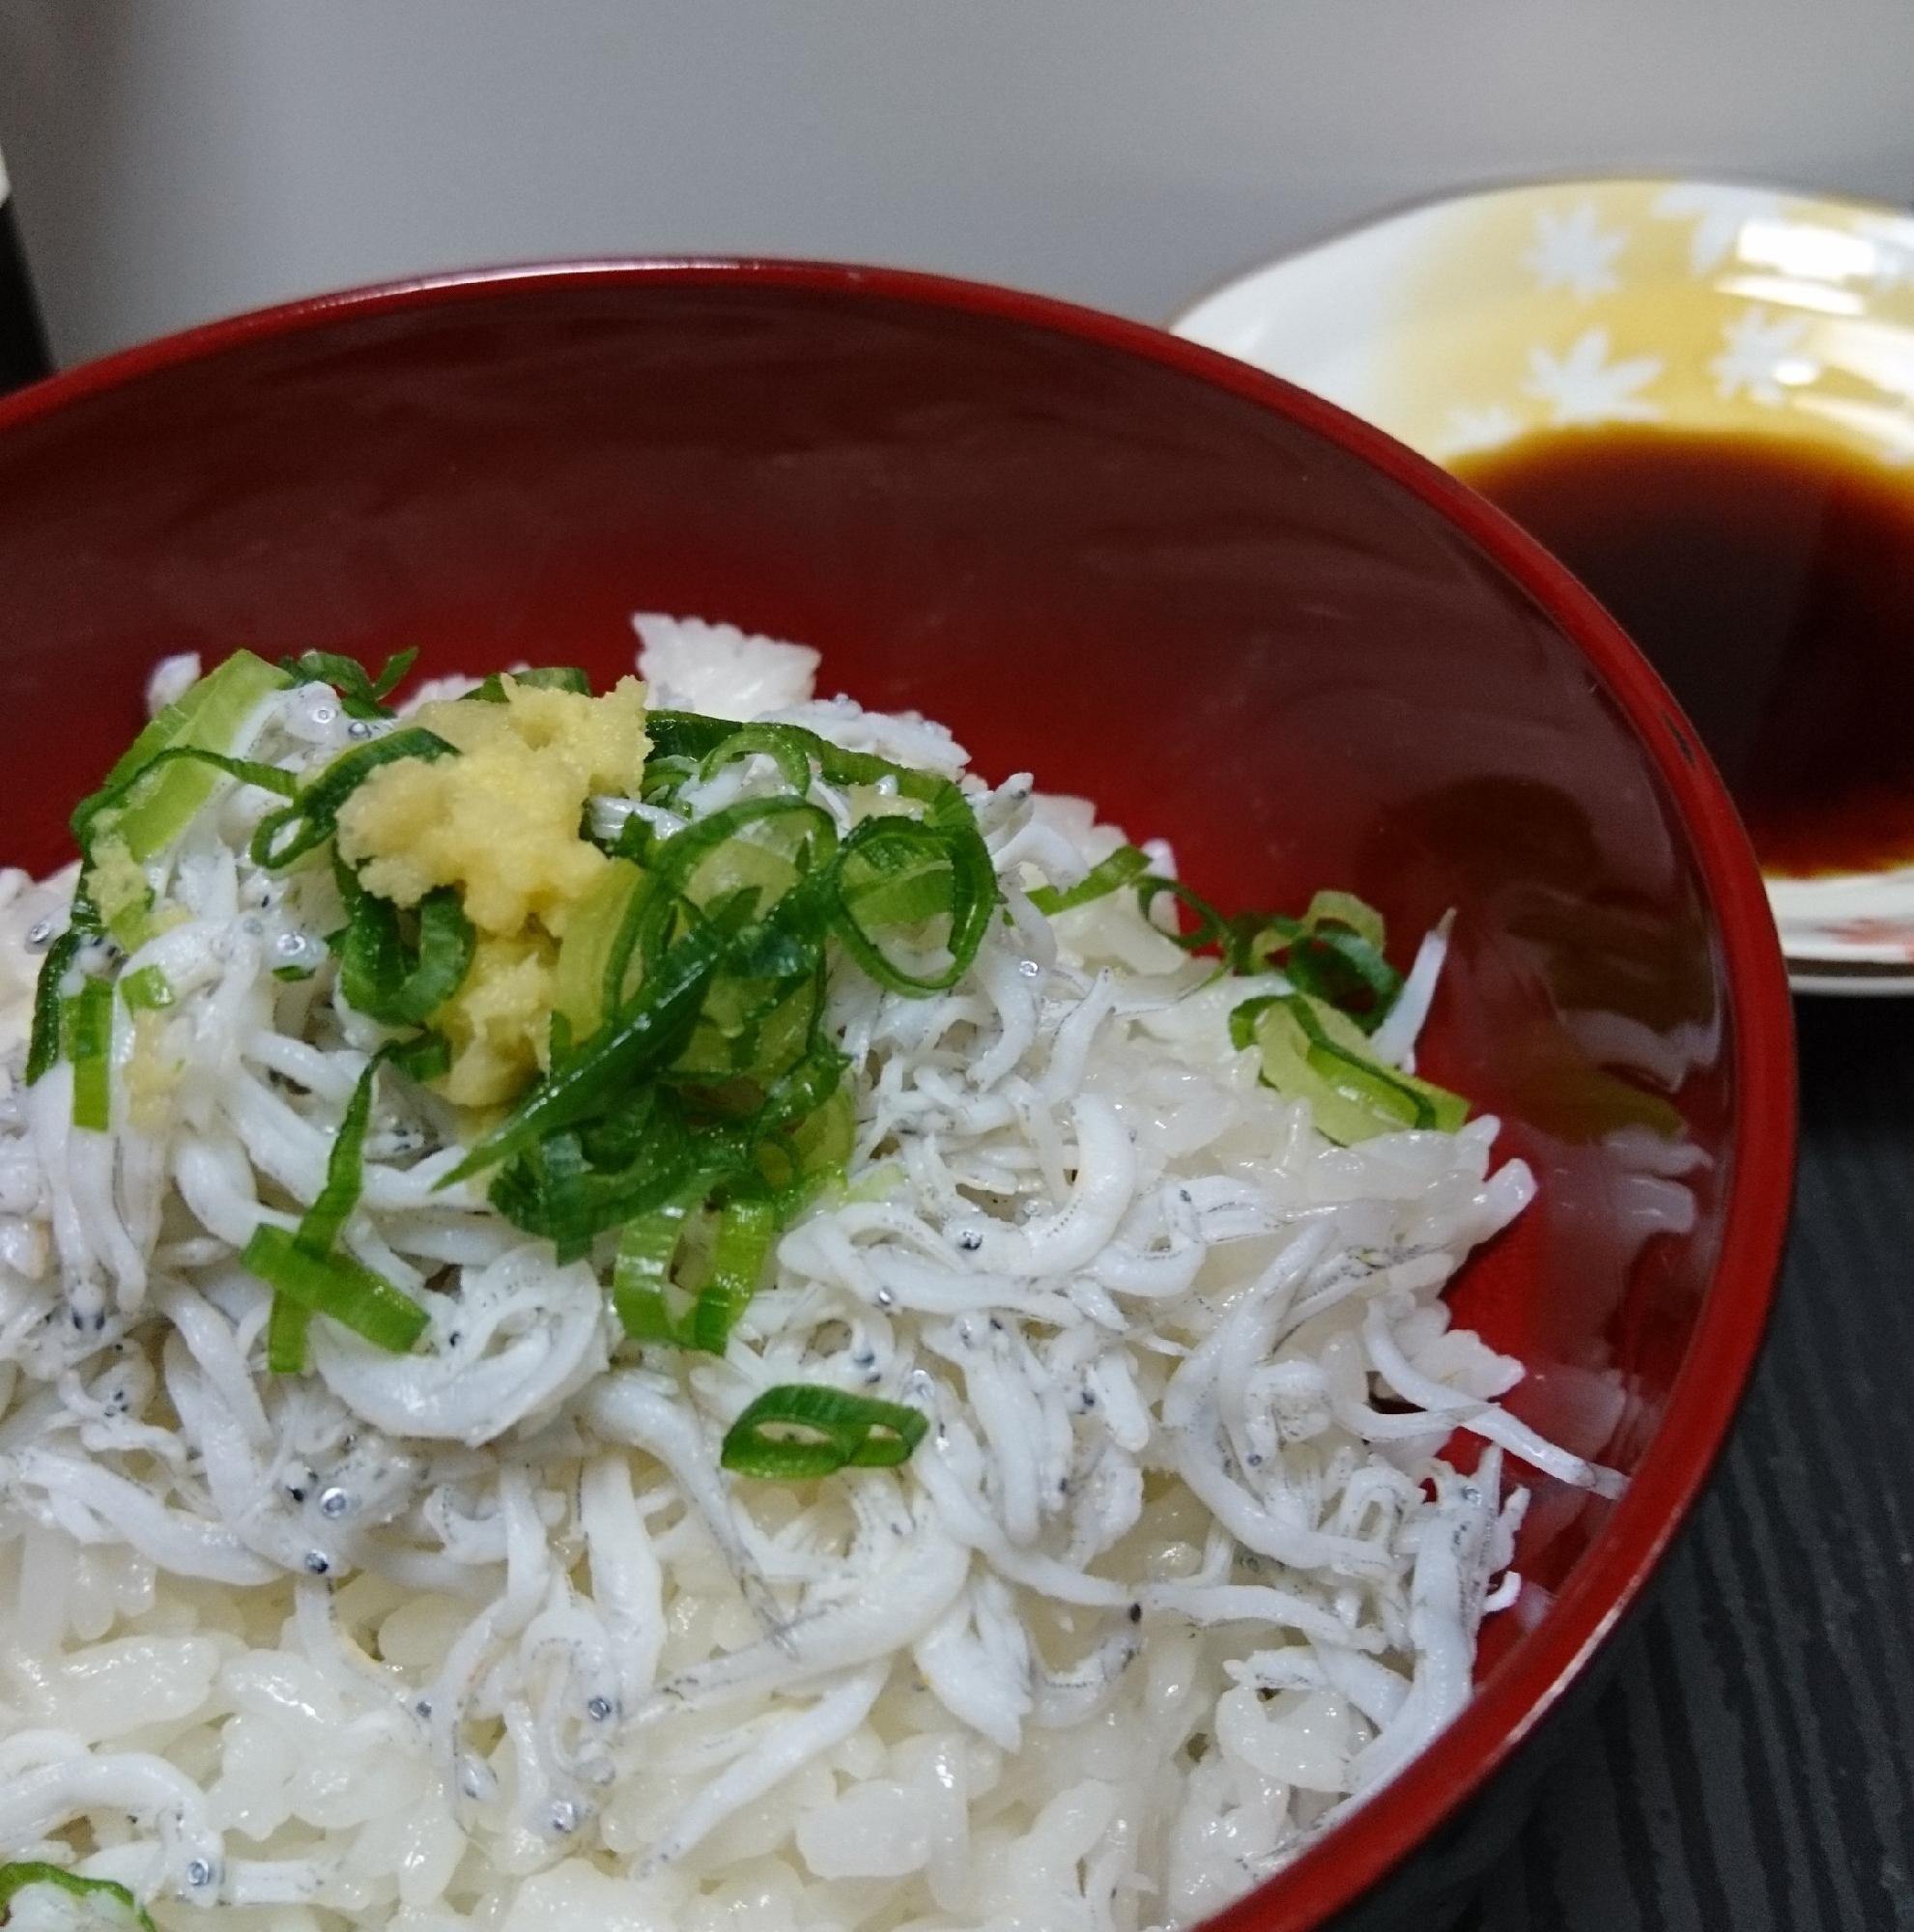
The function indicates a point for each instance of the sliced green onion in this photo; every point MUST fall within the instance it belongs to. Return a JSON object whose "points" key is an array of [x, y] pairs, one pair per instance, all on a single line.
{"points": [[745, 1231], [710, 743], [787, 945], [293, 829], [206, 717], [645, 1316], [571, 1187], [16, 1877], [552, 1190], [769, 1027], [818, 1146], [145, 831], [248, 771], [1256, 942], [899, 873], [1345, 969], [749, 1032], [807, 1087], [426, 1055], [1333, 908], [90, 1047], [799, 1430], [947, 804], [1243, 1021], [1248, 940], [559, 1037], [337, 1286], [309, 1277], [784, 745], [623, 964], [541, 677], [207, 712], [1333, 952], [1107, 877], [636, 837], [146, 990], [395, 983], [639, 1154], [1312, 1051], [642, 1274], [345, 1173], [686, 734], [882, 854], [908, 894], [1211, 926], [795, 1158], [640, 1122], [663, 780], [392, 670], [288, 1325], [583, 991], [645, 1036], [50, 995], [369, 947], [765, 844], [361, 696]]}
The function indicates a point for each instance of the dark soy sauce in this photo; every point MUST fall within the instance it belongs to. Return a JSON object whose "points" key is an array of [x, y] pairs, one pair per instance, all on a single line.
{"points": [[1772, 586]]}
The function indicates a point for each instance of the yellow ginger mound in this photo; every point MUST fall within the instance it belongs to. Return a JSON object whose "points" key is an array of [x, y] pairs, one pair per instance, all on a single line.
{"points": [[499, 1022], [500, 822]]}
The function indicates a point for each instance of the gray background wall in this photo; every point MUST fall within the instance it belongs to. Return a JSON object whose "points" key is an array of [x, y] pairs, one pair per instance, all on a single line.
{"points": [[174, 160]]}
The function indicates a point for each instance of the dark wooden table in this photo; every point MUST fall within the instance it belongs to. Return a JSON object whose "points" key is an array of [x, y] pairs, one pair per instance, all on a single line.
{"points": [[1750, 1764]]}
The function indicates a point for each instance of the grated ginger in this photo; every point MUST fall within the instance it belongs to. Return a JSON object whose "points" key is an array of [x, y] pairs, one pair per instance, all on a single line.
{"points": [[499, 1022], [502, 823]]}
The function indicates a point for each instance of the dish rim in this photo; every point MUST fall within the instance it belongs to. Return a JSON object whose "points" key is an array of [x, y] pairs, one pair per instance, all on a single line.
{"points": [[1610, 1577], [1489, 191]]}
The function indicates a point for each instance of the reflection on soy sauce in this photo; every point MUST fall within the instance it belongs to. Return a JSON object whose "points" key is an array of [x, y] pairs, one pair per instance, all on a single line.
{"points": [[1772, 584]]}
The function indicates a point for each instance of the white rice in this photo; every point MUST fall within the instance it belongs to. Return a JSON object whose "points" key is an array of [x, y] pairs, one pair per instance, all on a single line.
{"points": [[490, 1641]]}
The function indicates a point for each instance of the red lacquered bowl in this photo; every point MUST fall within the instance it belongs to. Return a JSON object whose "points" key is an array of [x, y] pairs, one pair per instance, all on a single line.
{"points": [[1232, 615]]}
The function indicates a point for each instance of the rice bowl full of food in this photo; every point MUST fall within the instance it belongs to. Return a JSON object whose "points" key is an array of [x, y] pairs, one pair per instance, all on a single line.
{"points": [[827, 1102]]}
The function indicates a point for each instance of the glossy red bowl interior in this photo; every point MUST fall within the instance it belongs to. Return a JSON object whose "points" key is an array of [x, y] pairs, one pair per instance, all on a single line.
{"points": [[1230, 613]]}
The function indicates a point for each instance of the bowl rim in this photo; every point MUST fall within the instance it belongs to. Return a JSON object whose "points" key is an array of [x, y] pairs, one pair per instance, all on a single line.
{"points": [[1609, 1579]]}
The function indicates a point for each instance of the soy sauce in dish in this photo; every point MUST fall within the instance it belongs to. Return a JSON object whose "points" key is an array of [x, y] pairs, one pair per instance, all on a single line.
{"points": [[1772, 586]]}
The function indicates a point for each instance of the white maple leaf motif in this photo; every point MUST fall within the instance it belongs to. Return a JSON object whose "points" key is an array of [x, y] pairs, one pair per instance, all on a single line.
{"points": [[1760, 356], [1470, 429], [1718, 213], [1572, 252], [1584, 386]]}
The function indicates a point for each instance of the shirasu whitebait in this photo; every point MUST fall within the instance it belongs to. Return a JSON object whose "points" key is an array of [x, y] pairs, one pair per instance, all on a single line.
{"points": [[1185, 1367]]}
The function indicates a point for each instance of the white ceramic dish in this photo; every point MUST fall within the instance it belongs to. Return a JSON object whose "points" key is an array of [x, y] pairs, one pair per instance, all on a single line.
{"points": [[1463, 325]]}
